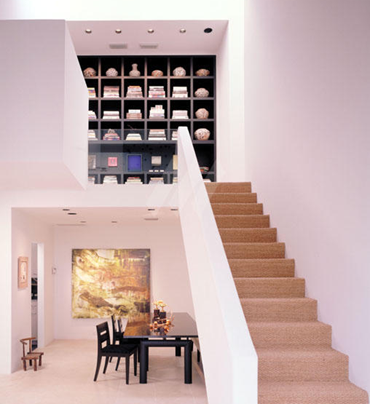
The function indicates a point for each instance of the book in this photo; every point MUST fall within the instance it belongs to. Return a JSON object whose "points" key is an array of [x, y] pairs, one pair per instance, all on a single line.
{"points": [[175, 162], [112, 161], [92, 162]]}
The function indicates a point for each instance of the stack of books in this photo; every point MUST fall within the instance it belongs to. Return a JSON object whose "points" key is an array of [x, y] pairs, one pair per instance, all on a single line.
{"points": [[91, 134], [156, 112], [175, 135], [111, 115], [156, 180], [110, 179], [92, 115], [157, 134], [204, 170], [134, 114], [174, 181], [92, 93], [156, 92], [111, 92], [180, 92], [180, 114], [133, 180], [135, 137], [111, 135], [134, 92], [207, 180], [91, 180]]}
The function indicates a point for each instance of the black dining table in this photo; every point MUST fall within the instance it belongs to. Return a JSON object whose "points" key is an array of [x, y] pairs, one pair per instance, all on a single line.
{"points": [[179, 335]]}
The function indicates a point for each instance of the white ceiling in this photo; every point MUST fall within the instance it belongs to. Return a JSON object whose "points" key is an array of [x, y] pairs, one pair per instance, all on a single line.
{"points": [[102, 216], [166, 34]]}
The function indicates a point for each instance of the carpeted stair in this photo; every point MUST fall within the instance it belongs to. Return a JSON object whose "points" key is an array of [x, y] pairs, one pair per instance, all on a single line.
{"points": [[296, 362]]}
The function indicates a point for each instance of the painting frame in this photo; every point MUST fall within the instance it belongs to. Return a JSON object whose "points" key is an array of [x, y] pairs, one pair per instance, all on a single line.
{"points": [[111, 281], [22, 272]]}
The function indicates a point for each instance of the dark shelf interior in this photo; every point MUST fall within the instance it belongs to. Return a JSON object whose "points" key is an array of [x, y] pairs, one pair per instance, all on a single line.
{"points": [[111, 155]]}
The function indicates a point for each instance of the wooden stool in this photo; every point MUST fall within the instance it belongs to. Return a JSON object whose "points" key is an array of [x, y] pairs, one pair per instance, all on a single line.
{"points": [[33, 357]]}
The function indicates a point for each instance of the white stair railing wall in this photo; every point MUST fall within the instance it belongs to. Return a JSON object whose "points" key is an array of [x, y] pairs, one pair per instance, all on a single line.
{"points": [[229, 359]]}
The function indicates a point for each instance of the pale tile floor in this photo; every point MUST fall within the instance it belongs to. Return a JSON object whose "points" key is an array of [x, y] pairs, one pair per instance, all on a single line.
{"points": [[67, 377]]}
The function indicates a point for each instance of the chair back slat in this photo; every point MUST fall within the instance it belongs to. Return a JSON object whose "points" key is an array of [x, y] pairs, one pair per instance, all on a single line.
{"points": [[103, 335]]}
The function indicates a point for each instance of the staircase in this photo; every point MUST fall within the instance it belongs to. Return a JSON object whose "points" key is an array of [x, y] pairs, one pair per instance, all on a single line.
{"points": [[296, 362]]}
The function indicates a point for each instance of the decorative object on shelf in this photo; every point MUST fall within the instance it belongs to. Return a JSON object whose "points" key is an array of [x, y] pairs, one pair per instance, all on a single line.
{"points": [[110, 179], [202, 113], [202, 134], [111, 135], [156, 161], [156, 112], [180, 92], [175, 162], [111, 92], [91, 134], [112, 115], [92, 114], [157, 92], [202, 72], [112, 72], [89, 72], [22, 272], [157, 134], [92, 161], [134, 137], [156, 180], [201, 93], [134, 114], [179, 72], [180, 114], [134, 72], [157, 73], [134, 92], [112, 161], [133, 180], [204, 170], [91, 91]]}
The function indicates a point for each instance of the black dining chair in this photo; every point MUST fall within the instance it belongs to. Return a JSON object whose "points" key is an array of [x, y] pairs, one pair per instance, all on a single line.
{"points": [[108, 350]]}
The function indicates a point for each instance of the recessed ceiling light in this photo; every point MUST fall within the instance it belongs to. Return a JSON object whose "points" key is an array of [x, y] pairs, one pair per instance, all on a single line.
{"points": [[82, 221], [72, 213], [118, 31], [88, 31], [208, 30], [114, 221], [66, 210], [174, 209], [182, 31], [150, 31], [151, 209]]}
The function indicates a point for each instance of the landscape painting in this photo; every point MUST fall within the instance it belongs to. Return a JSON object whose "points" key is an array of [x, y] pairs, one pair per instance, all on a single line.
{"points": [[111, 281]]}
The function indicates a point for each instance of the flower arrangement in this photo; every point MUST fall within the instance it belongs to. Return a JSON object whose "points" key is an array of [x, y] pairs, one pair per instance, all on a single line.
{"points": [[159, 305]]}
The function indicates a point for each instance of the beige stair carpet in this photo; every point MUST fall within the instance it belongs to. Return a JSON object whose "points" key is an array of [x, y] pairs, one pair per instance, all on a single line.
{"points": [[296, 362]]}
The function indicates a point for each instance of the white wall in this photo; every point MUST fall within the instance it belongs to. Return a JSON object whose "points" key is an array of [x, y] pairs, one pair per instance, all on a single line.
{"points": [[39, 76], [25, 231], [307, 92], [168, 271], [6, 287]]}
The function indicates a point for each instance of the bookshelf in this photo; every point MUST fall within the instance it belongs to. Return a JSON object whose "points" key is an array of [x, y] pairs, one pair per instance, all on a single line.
{"points": [[154, 128]]}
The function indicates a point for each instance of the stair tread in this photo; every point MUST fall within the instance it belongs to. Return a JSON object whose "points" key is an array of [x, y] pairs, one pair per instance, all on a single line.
{"points": [[311, 392], [305, 352]]}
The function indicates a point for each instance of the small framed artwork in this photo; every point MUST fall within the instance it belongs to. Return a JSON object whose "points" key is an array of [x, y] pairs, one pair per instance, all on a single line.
{"points": [[134, 162], [22, 272], [112, 161]]}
